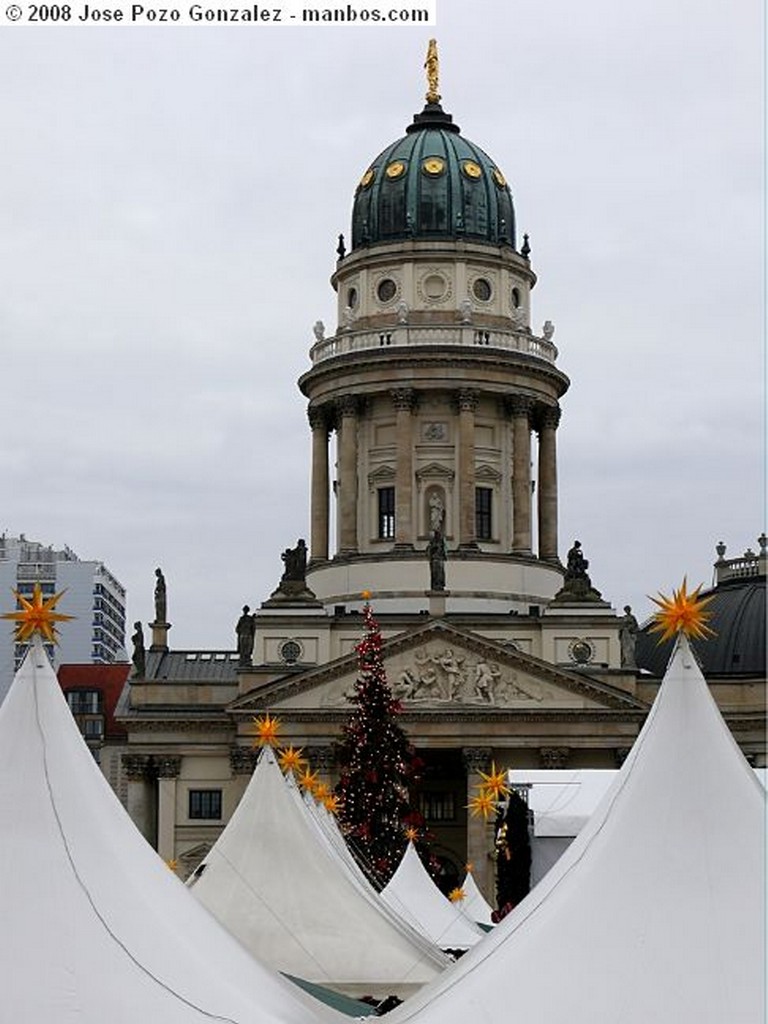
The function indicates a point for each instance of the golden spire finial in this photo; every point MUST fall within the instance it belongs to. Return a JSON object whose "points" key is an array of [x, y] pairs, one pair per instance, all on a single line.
{"points": [[432, 66]]}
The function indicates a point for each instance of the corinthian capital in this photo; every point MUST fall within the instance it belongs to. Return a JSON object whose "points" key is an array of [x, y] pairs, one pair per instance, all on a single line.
{"points": [[403, 398], [519, 405], [318, 417], [467, 399], [547, 417]]}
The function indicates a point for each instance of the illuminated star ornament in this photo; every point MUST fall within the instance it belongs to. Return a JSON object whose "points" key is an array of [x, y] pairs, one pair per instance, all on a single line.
{"points": [[495, 782], [483, 804], [331, 803], [457, 895], [308, 780], [411, 834], [682, 613], [267, 729], [290, 759], [36, 616]]}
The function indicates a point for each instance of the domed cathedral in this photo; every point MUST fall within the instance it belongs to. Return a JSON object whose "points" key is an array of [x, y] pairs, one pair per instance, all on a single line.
{"points": [[438, 391], [444, 406]]}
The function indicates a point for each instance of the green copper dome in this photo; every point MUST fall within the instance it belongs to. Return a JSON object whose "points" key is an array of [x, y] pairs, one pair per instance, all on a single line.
{"points": [[433, 184]]}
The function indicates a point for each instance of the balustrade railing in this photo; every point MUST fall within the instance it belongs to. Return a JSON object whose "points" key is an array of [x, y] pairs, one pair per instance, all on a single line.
{"points": [[469, 336]]}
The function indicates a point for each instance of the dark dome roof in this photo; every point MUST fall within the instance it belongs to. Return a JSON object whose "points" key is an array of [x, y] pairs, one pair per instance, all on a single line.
{"points": [[738, 619], [433, 184]]}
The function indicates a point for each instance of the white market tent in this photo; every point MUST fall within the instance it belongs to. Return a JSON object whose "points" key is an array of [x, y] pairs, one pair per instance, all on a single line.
{"points": [[95, 927], [413, 895], [276, 886], [474, 905], [656, 912]]}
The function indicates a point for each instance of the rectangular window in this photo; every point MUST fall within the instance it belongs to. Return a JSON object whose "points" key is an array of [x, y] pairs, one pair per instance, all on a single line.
{"points": [[386, 513], [205, 803], [438, 806], [483, 518], [84, 702]]}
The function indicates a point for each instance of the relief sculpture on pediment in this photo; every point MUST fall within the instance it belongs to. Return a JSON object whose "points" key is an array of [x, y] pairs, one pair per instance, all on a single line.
{"points": [[438, 674]]}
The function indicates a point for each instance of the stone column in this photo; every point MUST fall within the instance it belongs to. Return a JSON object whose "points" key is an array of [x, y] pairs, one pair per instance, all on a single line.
{"points": [[548, 419], [520, 408], [347, 409], [479, 832], [404, 401], [467, 401], [139, 802], [318, 549], [167, 772]]}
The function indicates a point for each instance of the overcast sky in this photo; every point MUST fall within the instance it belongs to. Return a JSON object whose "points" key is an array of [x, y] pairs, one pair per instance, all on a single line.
{"points": [[170, 200]]}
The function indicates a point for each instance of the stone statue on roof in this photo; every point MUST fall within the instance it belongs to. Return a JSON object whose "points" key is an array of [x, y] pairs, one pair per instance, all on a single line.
{"points": [[161, 605], [139, 655], [246, 631]]}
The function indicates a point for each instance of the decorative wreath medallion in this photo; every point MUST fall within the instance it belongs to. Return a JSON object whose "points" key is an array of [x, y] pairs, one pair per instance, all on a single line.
{"points": [[395, 170]]}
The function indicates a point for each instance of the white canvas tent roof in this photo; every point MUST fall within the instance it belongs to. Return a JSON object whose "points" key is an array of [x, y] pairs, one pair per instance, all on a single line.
{"points": [[655, 912], [413, 894], [276, 886], [95, 927], [474, 905]]}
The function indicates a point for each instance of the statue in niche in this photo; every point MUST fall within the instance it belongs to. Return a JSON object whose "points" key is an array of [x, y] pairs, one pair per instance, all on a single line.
{"points": [[436, 512], [401, 309], [161, 605], [437, 553], [628, 638], [139, 655], [465, 311], [246, 631]]}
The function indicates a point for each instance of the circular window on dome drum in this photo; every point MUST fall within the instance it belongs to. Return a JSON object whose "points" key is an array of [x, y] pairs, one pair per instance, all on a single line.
{"points": [[367, 179], [499, 178], [395, 170], [290, 651], [433, 166], [581, 651], [472, 170], [386, 290], [352, 298], [482, 290]]}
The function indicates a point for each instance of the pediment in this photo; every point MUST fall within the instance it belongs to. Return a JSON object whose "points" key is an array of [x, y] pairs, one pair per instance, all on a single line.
{"points": [[438, 666]]}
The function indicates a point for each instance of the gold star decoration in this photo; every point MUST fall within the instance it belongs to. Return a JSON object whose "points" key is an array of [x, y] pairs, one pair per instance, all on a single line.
{"points": [[457, 895], [308, 780], [495, 782], [469, 867], [36, 616], [411, 834], [172, 864], [290, 759], [321, 792], [484, 804], [331, 803], [267, 729], [682, 613], [366, 595]]}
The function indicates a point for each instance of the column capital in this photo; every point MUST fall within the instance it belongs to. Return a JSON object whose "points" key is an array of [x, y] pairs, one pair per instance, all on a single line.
{"points": [[135, 766], [477, 759], [403, 398], [242, 760], [547, 417], [554, 757], [167, 767], [319, 418], [348, 405], [519, 405], [467, 399], [321, 757]]}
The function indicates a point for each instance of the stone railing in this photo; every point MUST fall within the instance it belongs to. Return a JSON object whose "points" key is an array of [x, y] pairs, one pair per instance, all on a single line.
{"points": [[748, 564], [438, 336]]}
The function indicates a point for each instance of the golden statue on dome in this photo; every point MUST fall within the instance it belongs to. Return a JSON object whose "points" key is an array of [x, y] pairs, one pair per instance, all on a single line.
{"points": [[432, 67]]}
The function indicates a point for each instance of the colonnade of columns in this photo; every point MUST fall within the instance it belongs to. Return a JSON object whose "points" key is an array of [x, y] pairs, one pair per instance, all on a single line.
{"points": [[526, 415]]}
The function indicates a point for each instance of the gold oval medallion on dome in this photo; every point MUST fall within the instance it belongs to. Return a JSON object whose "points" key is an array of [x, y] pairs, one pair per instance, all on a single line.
{"points": [[499, 178], [367, 178], [433, 166], [472, 170], [395, 170]]}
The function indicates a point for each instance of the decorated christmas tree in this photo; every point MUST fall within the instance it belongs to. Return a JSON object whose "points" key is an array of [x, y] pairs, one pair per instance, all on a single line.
{"points": [[376, 764]]}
